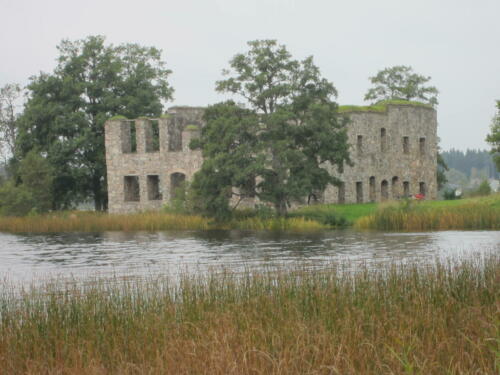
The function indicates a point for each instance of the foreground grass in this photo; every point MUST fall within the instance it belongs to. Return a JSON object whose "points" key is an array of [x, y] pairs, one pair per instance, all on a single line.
{"points": [[396, 319], [473, 213]]}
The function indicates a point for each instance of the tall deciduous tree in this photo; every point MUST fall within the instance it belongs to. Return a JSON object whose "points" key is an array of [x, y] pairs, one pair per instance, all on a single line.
{"points": [[494, 137], [66, 110], [9, 97], [278, 148], [400, 82]]}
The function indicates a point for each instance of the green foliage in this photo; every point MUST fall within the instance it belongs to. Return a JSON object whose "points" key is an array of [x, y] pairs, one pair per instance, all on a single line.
{"points": [[15, 200], [471, 162], [192, 127], [33, 193], [401, 83], [450, 194], [277, 148], [441, 169], [493, 138], [118, 117], [483, 189], [66, 110], [180, 203]]}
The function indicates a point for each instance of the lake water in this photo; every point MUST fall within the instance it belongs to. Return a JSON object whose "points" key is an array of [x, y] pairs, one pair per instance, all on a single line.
{"points": [[27, 258]]}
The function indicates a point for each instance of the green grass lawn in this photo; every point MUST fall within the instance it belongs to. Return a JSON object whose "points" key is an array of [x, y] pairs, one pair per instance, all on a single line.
{"points": [[348, 214]]}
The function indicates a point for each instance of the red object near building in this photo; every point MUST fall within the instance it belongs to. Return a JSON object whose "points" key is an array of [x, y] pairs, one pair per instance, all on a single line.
{"points": [[419, 197]]}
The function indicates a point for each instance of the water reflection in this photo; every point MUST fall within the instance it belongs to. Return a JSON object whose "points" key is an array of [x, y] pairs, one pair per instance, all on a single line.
{"points": [[23, 257]]}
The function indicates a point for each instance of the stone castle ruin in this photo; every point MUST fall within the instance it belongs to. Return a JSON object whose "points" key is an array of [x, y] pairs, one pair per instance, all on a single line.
{"points": [[394, 151]]}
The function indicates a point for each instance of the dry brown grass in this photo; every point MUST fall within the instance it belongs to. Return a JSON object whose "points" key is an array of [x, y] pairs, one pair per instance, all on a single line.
{"points": [[396, 319], [81, 221]]}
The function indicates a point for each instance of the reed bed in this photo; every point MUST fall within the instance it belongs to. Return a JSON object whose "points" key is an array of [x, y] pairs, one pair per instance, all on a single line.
{"points": [[80, 221], [441, 318], [291, 224], [98, 222], [398, 217]]}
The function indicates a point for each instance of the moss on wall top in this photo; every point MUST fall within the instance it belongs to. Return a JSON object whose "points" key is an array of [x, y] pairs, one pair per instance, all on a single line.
{"points": [[192, 127], [118, 117], [380, 107]]}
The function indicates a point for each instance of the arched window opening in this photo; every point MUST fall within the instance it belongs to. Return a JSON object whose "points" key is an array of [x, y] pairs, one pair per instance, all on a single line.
{"points": [[384, 190], [372, 189], [406, 189], [359, 192], [395, 187]]}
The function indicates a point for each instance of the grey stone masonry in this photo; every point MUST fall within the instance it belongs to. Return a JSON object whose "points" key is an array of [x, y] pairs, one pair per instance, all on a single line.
{"points": [[394, 155]]}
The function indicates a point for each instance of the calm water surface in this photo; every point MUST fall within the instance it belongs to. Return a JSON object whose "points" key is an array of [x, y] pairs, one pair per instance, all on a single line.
{"points": [[24, 258]]}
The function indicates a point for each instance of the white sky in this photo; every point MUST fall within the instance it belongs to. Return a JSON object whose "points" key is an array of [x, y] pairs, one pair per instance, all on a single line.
{"points": [[455, 42]]}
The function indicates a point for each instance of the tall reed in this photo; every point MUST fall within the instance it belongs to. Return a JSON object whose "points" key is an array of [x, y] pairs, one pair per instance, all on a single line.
{"points": [[441, 318], [149, 221], [398, 217]]}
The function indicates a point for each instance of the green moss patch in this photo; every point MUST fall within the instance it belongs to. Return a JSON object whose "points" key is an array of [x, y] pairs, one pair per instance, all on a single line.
{"points": [[380, 107], [118, 117]]}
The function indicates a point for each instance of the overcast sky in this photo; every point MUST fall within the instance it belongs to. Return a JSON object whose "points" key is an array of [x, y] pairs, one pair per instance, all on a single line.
{"points": [[455, 42]]}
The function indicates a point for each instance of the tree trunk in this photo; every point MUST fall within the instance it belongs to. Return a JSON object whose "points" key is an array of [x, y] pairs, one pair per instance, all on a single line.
{"points": [[97, 193], [281, 208]]}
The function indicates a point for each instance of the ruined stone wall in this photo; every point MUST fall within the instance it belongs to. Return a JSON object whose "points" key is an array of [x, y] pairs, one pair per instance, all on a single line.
{"points": [[158, 171], [394, 154]]}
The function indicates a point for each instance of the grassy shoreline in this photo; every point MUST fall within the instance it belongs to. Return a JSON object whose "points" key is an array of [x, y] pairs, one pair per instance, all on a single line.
{"points": [[404, 319], [474, 213]]}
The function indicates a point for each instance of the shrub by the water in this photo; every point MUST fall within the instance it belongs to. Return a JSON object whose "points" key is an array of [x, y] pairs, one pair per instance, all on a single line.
{"points": [[394, 319]]}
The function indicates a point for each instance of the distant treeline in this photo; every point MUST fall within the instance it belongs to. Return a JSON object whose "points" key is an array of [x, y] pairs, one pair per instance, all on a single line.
{"points": [[473, 163]]}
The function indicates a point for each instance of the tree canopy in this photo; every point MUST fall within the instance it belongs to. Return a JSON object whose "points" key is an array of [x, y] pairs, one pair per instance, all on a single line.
{"points": [[278, 148], [493, 137], [66, 110], [400, 82]]}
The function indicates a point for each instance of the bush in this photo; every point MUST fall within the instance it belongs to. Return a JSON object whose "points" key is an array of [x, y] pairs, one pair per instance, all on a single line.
{"points": [[33, 193], [16, 200], [450, 194], [483, 190]]}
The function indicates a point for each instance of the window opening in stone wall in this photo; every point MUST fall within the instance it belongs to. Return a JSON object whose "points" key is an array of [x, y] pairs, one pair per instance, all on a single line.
{"points": [[406, 189], [129, 137], [383, 140], [372, 189], [422, 188], [359, 192], [360, 144], [174, 137], [177, 185], [131, 189], [395, 187], [152, 134], [406, 145], [422, 146], [154, 191], [341, 197], [384, 190]]}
